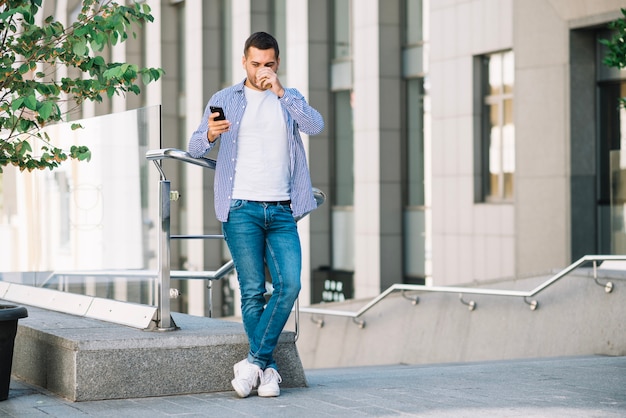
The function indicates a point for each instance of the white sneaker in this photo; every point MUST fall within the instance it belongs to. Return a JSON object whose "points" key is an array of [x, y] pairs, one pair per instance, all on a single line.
{"points": [[246, 377], [269, 383]]}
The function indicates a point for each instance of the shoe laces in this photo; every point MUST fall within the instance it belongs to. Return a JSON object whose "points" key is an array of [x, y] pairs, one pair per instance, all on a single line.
{"points": [[271, 374], [250, 372]]}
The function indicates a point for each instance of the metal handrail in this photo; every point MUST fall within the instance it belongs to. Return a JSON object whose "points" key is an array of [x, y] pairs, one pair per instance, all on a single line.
{"points": [[164, 274], [177, 154], [176, 274], [608, 287]]}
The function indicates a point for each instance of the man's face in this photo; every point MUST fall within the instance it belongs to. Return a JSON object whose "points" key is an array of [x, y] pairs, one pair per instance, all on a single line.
{"points": [[256, 60]]}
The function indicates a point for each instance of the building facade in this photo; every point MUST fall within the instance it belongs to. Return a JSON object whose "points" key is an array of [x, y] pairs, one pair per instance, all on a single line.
{"points": [[466, 140], [524, 122]]}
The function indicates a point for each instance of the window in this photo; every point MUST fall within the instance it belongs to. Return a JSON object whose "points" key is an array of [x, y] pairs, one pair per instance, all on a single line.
{"points": [[414, 22], [415, 142], [498, 133], [342, 166], [226, 46], [344, 149], [342, 29], [279, 29], [415, 136]]}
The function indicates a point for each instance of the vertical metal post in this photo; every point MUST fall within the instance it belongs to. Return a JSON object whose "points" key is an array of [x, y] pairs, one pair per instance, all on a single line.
{"points": [[296, 316], [163, 286]]}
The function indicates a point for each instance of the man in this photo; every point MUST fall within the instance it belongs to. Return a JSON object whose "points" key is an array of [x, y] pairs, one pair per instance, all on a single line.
{"points": [[262, 182]]}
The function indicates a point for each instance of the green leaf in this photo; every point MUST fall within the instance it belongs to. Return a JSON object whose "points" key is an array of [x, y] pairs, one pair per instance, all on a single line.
{"points": [[98, 60], [46, 110], [17, 103], [82, 153], [113, 72], [30, 102], [24, 68], [80, 47], [25, 125], [43, 88], [31, 41], [22, 148], [146, 77]]}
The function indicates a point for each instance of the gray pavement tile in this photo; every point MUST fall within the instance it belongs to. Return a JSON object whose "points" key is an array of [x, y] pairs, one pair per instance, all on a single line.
{"points": [[563, 387]]}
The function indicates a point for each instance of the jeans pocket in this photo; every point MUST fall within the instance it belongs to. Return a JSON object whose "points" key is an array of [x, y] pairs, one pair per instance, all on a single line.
{"points": [[236, 204], [285, 208]]}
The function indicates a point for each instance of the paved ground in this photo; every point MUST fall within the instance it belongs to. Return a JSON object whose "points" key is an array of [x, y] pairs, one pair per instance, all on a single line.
{"points": [[561, 387]]}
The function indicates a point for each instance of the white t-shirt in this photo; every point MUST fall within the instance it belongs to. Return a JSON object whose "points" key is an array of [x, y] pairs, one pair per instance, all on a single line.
{"points": [[262, 168]]}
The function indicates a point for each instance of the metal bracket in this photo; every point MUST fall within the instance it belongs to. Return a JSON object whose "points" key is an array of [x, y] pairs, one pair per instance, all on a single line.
{"points": [[471, 305], [414, 299], [359, 322], [532, 303], [608, 286], [319, 322]]}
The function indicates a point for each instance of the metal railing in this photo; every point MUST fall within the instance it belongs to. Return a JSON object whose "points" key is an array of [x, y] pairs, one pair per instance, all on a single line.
{"points": [[163, 274], [59, 275], [166, 195], [533, 304]]}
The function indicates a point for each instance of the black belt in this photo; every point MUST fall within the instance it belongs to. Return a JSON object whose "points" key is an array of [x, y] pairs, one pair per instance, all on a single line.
{"points": [[275, 202]]}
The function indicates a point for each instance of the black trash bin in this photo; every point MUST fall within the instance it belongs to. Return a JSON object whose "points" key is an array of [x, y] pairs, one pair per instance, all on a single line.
{"points": [[9, 314]]}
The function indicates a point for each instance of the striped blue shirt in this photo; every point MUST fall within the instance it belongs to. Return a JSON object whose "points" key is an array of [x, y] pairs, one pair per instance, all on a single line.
{"points": [[300, 117]]}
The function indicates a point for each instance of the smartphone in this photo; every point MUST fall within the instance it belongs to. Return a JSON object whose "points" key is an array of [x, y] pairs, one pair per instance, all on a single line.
{"points": [[220, 111]]}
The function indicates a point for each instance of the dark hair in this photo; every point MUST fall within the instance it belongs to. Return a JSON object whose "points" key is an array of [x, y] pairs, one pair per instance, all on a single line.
{"points": [[261, 40]]}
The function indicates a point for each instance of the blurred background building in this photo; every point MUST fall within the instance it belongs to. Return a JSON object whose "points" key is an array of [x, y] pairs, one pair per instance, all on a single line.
{"points": [[466, 140]]}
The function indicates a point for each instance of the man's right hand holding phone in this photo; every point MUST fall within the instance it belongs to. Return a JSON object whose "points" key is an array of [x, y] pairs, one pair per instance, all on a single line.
{"points": [[218, 124]]}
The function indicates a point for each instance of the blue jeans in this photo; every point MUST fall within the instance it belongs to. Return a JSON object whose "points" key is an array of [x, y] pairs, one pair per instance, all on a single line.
{"points": [[260, 234]]}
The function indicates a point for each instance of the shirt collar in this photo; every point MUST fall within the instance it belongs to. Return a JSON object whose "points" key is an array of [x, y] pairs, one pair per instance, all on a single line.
{"points": [[239, 87]]}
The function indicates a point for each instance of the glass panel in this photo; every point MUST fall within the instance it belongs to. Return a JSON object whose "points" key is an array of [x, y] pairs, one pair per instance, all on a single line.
{"points": [[414, 22], [508, 149], [279, 29], [495, 74], [343, 239], [96, 215], [344, 150], [494, 115], [226, 47], [507, 117], [618, 202], [415, 141], [508, 72], [611, 137], [2, 193], [495, 151], [342, 29], [618, 182], [415, 259], [499, 127]]}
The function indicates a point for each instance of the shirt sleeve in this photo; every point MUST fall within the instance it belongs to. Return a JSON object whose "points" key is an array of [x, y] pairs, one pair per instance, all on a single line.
{"points": [[309, 120], [199, 143]]}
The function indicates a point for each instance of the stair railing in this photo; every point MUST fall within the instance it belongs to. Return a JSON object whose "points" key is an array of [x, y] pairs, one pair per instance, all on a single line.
{"points": [[526, 295], [166, 195]]}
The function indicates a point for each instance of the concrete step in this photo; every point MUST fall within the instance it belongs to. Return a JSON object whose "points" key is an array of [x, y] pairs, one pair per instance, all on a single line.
{"points": [[84, 359]]}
